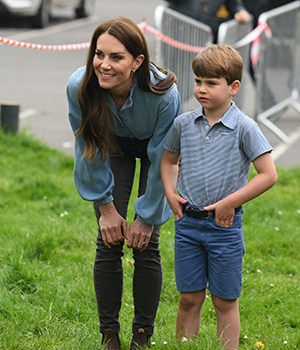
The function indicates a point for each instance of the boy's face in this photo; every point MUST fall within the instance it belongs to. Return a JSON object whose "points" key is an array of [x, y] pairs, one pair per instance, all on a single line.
{"points": [[214, 93]]}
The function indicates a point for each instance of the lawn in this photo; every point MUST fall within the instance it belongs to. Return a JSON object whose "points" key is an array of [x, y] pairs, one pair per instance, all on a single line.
{"points": [[47, 247]]}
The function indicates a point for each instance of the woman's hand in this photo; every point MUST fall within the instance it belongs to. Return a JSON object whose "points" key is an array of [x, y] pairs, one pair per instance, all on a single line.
{"points": [[138, 235], [112, 225]]}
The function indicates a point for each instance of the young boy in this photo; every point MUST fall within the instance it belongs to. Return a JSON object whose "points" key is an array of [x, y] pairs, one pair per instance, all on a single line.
{"points": [[215, 144]]}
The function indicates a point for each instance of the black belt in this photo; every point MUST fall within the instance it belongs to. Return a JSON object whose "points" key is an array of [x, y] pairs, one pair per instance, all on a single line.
{"points": [[199, 213]]}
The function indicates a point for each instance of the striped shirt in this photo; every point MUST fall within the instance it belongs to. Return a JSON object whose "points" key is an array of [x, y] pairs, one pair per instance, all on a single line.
{"points": [[214, 161]]}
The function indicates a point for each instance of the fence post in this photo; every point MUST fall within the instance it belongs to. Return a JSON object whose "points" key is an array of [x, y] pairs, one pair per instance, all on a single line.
{"points": [[9, 117]]}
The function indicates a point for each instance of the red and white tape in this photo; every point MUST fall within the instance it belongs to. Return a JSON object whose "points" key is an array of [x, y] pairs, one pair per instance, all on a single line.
{"points": [[252, 37], [166, 39], [255, 48], [25, 45]]}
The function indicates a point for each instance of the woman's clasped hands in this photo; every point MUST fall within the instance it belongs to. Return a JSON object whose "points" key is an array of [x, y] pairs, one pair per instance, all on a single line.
{"points": [[114, 229]]}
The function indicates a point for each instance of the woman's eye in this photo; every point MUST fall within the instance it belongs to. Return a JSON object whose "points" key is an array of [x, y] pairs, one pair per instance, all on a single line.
{"points": [[117, 57], [99, 54]]}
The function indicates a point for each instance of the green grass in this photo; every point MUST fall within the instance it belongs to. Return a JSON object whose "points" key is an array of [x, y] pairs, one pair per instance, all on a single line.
{"points": [[47, 247]]}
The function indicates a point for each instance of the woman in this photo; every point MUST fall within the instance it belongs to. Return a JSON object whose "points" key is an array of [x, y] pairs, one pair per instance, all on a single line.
{"points": [[120, 108]]}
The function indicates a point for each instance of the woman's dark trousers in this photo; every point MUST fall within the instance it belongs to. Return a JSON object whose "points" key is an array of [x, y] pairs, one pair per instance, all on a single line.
{"points": [[108, 272]]}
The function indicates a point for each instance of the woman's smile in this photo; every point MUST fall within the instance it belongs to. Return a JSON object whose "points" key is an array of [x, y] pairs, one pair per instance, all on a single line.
{"points": [[105, 75]]}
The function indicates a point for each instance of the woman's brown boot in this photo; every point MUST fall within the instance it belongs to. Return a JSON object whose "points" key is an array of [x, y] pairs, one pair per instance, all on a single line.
{"points": [[111, 340]]}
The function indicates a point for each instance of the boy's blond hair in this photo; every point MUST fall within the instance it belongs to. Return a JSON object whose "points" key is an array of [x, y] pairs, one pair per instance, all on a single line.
{"points": [[219, 61]]}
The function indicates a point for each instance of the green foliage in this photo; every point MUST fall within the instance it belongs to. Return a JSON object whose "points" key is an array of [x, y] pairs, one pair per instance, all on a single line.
{"points": [[47, 247]]}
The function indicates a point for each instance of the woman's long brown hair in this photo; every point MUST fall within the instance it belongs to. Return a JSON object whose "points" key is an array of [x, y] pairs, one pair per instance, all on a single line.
{"points": [[97, 126]]}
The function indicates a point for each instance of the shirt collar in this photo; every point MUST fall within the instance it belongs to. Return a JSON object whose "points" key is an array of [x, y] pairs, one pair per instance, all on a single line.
{"points": [[129, 101], [229, 118]]}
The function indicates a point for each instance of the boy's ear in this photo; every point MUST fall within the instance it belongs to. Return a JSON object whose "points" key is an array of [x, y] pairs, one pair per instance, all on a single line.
{"points": [[235, 86]]}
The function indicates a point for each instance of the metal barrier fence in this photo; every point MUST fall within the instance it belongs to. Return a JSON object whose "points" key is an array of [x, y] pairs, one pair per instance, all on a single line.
{"points": [[231, 32], [187, 31], [278, 71], [278, 66]]}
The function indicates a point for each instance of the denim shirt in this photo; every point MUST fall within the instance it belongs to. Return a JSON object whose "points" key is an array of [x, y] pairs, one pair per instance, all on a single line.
{"points": [[144, 115]]}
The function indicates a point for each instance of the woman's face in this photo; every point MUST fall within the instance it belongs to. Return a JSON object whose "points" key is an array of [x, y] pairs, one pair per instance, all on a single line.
{"points": [[114, 65]]}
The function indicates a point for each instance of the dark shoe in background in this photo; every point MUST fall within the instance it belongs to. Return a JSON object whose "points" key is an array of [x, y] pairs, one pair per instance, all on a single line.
{"points": [[110, 340], [140, 340]]}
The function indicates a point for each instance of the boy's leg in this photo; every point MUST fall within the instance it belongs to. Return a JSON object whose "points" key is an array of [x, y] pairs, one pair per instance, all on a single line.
{"points": [[228, 322], [191, 276], [189, 314], [225, 257]]}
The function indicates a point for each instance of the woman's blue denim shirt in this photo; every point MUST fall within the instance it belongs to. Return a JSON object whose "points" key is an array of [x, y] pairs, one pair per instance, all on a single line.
{"points": [[144, 115]]}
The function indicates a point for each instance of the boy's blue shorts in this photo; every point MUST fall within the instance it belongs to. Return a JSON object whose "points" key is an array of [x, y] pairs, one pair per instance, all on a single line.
{"points": [[209, 256]]}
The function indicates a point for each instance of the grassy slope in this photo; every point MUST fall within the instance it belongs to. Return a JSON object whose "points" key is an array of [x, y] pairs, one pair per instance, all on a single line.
{"points": [[47, 244]]}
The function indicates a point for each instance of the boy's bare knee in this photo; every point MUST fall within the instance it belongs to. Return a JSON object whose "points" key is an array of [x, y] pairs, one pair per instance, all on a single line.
{"points": [[223, 305], [189, 301], [186, 303]]}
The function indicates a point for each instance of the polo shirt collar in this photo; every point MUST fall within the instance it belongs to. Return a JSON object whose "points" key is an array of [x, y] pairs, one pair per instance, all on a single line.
{"points": [[229, 119]]}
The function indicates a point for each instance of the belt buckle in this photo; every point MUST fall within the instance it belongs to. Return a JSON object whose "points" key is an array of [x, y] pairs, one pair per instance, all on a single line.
{"points": [[203, 214], [206, 214]]}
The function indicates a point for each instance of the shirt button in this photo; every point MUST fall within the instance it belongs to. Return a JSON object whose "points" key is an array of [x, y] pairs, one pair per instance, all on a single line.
{"points": [[206, 126], [206, 138]]}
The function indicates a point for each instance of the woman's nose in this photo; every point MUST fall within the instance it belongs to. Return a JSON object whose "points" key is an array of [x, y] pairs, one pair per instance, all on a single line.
{"points": [[105, 63]]}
